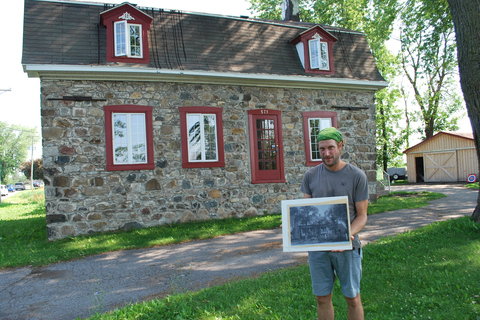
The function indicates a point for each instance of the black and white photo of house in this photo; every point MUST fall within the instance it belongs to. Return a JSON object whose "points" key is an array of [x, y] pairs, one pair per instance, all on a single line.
{"points": [[319, 224]]}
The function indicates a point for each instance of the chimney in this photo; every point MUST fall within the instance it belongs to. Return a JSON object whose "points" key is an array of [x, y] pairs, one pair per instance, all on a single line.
{"points": [[290, 10]]}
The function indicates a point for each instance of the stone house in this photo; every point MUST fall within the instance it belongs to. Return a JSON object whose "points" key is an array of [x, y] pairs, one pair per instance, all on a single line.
{"points": [[153, 116]]}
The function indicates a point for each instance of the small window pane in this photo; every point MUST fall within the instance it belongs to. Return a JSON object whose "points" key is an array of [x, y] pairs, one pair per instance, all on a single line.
{"points": [[210, 131], [135, 41], [194, 137], [120, 38], [120, 140], [314, 47], [323, 56], [139, 143]]}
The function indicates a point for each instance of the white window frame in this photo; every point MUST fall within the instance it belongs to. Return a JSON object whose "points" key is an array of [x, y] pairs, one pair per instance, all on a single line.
{"points": [[312, 136], [318, 54], [124, 49], [131, 130], [201, 149]]}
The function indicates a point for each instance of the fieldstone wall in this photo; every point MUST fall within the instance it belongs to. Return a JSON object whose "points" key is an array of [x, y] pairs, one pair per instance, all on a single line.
{"points": [[82, 197]]}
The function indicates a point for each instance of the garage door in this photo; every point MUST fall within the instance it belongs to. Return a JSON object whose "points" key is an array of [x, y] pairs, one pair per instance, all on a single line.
{"points": [[440, 166]]}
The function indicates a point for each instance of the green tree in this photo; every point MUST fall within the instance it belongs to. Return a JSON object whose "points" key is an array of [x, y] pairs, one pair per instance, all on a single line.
{"points": [[466, 17], [375, 18], [389, 136], [26, 168], [429, 62], [14, 143]]}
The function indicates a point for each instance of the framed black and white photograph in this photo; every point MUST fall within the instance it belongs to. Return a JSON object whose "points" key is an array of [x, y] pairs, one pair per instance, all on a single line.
{"points": [[316, 224]]}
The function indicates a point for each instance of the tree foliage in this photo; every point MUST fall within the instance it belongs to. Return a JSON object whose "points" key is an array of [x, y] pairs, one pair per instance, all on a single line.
{"points": [[427, 59], [26, 168], [14, 143], [375, 18], [429, 62], [466, 17]]}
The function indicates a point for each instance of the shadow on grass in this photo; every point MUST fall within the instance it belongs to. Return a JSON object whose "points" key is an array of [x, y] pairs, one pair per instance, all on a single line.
{"points": [[6, 205], [24, 230]]}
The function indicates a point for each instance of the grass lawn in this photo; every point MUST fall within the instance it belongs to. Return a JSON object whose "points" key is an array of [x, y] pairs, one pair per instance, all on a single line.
{"points": [[23, 235], [472, 185], [428, 273], [403, 200], [399, 182]]}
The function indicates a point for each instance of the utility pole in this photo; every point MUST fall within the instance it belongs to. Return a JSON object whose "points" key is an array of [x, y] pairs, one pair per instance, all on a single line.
{"points": [[2, 91], [31, 168], [31, 157]]}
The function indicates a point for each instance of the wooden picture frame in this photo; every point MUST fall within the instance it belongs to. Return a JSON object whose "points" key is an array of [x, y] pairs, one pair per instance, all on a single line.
{"points": [[316, 224]]}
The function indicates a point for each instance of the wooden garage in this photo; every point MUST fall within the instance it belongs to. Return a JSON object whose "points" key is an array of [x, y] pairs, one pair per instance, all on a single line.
{"points": [[445, 157]]}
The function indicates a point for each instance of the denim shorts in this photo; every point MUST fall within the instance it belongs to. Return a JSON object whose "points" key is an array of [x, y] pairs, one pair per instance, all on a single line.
{"points": [[346, 265]]}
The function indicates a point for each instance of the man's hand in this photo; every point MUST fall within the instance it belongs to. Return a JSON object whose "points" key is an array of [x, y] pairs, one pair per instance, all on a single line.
{"points": [[342, 250]]}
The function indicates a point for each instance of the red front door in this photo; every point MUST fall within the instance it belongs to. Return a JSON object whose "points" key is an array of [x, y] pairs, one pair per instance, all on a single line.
{"points": [[266, 145]]}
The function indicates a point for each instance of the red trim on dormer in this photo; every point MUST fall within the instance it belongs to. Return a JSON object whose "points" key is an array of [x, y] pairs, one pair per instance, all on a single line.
{"points": [[326, 37], [109, 17]]}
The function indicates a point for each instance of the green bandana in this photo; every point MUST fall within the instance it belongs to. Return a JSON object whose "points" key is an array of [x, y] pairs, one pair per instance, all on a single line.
{"points": [[330, 133]]}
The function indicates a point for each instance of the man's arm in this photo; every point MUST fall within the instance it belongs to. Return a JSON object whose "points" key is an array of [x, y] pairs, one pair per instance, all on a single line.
{"points": [[361, 219], [306, 196]]}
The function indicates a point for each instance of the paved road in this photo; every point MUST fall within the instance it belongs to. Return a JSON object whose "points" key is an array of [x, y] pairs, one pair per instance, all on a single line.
{"points": [[104, 282]]}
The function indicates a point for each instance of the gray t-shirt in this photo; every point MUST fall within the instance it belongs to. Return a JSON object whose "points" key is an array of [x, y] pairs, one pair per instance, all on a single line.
{"points": [[349, 181]]}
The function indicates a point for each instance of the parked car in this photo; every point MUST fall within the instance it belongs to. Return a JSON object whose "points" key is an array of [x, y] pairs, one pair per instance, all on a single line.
{"points": [[11, 188], [3, 190], [397, 173], [19, 186], [36, 184]]}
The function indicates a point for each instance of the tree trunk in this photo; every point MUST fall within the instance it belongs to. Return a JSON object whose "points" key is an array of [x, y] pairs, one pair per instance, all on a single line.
{"points": [[429, 128], [466, 18], [290, 10], [384, 136]]}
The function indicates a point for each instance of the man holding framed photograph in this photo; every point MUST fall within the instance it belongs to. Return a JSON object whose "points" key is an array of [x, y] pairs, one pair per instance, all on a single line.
{"points": [[334, 177]]}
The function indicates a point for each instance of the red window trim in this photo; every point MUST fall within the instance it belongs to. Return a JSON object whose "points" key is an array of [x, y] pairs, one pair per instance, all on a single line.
{"points": [[109, 17], [314, 114], [326, 37], [109, 110], [184, 136]]}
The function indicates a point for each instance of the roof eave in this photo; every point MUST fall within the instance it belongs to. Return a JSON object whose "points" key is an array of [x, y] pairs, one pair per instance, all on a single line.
{"points": [[107, 73], [435, 136]]}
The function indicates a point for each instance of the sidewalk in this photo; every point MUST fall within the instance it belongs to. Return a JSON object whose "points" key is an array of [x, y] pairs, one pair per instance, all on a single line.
{"points": [[104, 282]]}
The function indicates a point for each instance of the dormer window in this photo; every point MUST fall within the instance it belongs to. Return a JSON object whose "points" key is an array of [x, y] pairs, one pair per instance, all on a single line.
{"points": [[318, 53], [127, 38], [314, 48]]}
